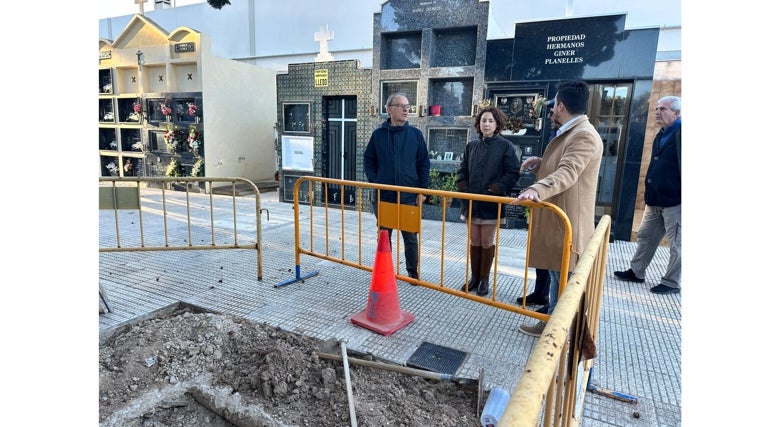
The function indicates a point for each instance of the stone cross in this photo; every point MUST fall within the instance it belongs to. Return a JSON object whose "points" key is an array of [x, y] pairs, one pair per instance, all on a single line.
{"points": [[140, 2], [322, 37]]}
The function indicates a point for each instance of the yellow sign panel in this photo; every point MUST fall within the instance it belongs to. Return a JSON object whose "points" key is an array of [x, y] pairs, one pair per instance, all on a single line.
{"points": [[320, 78], [391, 214]]}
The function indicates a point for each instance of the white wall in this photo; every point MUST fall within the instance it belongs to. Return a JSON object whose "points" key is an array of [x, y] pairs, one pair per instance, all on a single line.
{"points": [[274, 33], [240, 118]]}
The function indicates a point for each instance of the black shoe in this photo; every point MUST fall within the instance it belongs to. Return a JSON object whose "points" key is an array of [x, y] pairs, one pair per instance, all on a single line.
{"points": [[664, 289], [543, 309], [483, 287], [628, 276], [533, 299], [413, 274], [473, 286]]}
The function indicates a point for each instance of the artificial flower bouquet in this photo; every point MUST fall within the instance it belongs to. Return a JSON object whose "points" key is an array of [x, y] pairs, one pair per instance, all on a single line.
{"points": [[112, 168], [173, 169], [198, 168], [136, 110], [170, 137], [194, 139]]}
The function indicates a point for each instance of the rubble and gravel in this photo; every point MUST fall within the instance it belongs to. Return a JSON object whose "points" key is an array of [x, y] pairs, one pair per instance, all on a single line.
{"points": [[190, 368]]}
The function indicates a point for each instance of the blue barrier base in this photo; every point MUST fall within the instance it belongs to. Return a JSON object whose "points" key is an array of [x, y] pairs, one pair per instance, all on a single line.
{"points": [[298, 277]]}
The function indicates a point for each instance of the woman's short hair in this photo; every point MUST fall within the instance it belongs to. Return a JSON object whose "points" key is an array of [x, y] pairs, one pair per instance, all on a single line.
{"points": [[499, 117]]}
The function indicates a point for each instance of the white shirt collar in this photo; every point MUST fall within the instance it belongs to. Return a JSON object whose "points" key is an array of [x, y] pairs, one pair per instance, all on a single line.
{"points": [[567, 124]]}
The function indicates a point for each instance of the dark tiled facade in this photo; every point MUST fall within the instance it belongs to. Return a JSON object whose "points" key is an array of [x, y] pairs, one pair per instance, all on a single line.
{"points": [[441, 58]]}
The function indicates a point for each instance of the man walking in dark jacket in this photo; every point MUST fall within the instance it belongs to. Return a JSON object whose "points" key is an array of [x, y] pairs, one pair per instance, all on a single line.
{"points": [[662, 195], [397, 155]]}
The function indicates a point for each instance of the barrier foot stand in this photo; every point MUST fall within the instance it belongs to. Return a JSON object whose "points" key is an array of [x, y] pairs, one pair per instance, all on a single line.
{"points": [[627, 398], [298, 277]]}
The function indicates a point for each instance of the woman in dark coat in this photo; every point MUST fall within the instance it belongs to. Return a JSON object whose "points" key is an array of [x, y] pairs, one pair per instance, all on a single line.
{"points": [[490, 166]]}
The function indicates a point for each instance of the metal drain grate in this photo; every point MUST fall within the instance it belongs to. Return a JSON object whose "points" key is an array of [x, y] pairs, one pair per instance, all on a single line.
{"points": [[437, 358]]}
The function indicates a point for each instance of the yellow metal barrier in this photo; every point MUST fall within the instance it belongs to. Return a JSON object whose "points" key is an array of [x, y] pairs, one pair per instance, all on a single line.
{"points": [[556, 374], [326, 219], [200, 230]]}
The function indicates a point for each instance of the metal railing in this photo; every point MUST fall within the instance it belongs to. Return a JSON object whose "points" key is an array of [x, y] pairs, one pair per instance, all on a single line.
{"points": [[188, 226], [324, 235], [557, 372]]}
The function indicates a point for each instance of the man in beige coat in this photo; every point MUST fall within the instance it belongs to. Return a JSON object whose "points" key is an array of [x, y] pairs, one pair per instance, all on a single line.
{"points": [[566, 176]]}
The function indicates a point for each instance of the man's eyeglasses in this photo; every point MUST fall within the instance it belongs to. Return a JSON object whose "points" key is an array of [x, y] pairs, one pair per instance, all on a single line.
{"points": [[404, 106]]}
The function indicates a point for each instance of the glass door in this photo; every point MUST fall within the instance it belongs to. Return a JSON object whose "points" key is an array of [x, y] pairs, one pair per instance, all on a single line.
{"points": [[608, 112]]}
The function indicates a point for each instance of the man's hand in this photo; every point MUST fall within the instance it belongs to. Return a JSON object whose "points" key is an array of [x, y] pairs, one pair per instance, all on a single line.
{"points": [[461, 186], [494, 189], [529, 194], [530, 164], [420, 199]]}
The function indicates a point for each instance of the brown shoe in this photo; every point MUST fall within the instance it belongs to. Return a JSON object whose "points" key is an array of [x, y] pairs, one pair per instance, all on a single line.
{"points": [[533, 330]]}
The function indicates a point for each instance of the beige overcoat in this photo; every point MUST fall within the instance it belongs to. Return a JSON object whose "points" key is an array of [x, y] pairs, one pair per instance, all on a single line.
{"points": [[566, 176]]}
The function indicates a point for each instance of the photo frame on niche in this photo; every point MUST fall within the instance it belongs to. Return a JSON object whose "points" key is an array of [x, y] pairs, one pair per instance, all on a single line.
{"points": [[296, 117], [517, 105], [448, 156]]}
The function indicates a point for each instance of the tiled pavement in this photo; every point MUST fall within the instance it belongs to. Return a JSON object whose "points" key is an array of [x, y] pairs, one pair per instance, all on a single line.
{"points": [[638, 348]]}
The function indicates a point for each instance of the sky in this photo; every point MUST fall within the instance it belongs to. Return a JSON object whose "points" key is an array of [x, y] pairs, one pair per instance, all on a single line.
{"points": [[110, 8]]}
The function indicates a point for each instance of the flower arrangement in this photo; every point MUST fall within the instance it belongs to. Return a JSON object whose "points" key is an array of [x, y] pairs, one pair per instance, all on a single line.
{"points": [[192, 109], [113, 145], [170, 137], [137, 145], [194, 139], [135, 114], [112, 168], [536, 107], [433, 155], [514, 124], [173, 168], [198, 168], [165, 109]]}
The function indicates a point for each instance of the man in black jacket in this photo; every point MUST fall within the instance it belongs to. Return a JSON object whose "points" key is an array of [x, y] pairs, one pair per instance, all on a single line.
{"points": [[662, 195], [397, 155]]}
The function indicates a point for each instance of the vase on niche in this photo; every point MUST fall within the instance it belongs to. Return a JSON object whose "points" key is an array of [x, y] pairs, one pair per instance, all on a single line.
{"points": [[196, 152], [171, 149], [197, 119], [168, 119]]}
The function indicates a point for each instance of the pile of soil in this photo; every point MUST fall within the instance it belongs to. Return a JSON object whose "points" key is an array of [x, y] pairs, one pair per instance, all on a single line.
{"points": [[188, 368]]}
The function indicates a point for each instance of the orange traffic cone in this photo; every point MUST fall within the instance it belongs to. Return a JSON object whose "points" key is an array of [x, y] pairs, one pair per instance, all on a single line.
{"points": [[383, 314]]}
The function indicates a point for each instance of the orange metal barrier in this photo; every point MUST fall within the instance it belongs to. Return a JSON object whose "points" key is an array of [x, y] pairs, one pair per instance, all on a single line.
{"points": [[190, 226], [326, 227]]}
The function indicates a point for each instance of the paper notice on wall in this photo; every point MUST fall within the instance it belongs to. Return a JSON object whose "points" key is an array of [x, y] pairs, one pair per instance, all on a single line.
{"points": [[298, 153]]}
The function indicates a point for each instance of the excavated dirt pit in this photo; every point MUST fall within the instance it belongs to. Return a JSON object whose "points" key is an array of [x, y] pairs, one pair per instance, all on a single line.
{"points": [[181, 366]]}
